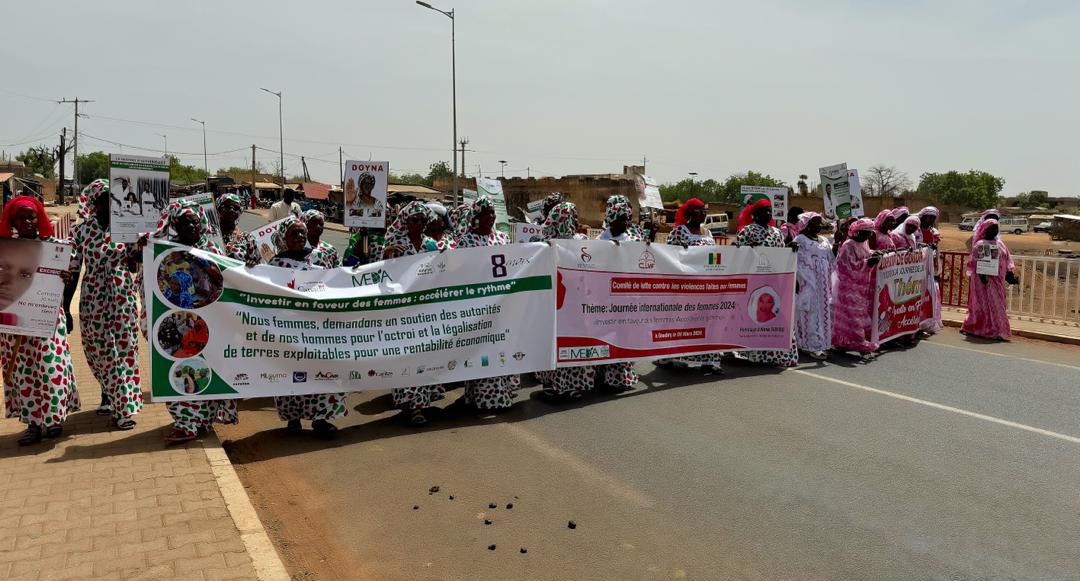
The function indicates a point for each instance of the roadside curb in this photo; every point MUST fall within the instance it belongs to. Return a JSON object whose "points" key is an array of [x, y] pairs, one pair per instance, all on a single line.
{"points": [[1041, 336], [264, 558]]}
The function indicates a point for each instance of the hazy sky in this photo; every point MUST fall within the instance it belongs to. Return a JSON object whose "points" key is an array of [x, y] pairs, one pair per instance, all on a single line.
{"points": [[566, 86]]}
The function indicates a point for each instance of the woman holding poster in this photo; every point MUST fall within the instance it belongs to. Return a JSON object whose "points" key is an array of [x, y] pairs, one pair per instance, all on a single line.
{"points": [[854, 291], [406, 237], [291, 239], [929, 234], [688, 232], [618, 218], [990, 267], [813, 303], [323, 255], [478, 227], [566, 382], [760, 232], [239, 245], [108, 307], [39, 380]]}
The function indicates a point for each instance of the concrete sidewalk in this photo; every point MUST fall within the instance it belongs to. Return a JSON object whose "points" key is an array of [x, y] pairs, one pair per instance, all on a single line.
{"points": [[1023, 327], [98, 503]]}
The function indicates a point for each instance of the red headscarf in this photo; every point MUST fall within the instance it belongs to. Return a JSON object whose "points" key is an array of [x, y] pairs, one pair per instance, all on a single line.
{"points": [[746, 217], [681, 214], [45, 227]]}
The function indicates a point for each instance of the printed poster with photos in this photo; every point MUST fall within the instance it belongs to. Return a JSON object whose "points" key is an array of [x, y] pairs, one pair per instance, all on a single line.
{"points": [[989, 258], [493, 190], [365, 193], [139, 193], [31, 289], [778, 197], [836, 190]]}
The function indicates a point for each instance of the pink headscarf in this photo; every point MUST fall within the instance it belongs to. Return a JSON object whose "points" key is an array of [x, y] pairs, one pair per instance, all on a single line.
{"points": [[901, 211], [859, 225], [929, 211], [804, 221], [881, 217]]}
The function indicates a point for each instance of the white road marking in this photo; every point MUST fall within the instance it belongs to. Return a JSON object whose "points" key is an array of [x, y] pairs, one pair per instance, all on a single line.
{"points": [[1016, 357], [583, 468], [978, 416]]}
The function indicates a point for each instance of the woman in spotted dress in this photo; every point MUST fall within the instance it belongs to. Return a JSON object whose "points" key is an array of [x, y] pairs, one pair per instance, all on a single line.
{"points": [[323, 255], [490, 394], [688, 232], [760, 232], [239, 245], [406, 237], [39, 380], [185, 223], [291, 240], [565, 382], [438, 228], [618, 227], [108, 307]]}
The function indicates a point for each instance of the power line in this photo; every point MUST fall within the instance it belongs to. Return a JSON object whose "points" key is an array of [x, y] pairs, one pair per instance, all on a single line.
{"points": [[31, 97], [159, 150]]}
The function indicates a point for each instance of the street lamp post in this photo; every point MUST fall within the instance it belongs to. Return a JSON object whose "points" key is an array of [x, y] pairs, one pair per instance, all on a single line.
{"points": [[453, 82], [166, 138], [502, 167], [206, 166], [281, 139], [693, 184]]}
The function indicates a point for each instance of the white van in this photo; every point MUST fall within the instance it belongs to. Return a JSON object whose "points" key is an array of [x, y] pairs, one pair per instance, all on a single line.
{"points": [[1014, 224], [716, 223]]}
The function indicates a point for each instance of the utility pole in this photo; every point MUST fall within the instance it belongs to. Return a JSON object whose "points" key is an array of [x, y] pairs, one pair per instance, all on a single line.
{"points": [[254, 176], [61, 153], [341, 167], [75, 140], [528, 172], [464, 141]]}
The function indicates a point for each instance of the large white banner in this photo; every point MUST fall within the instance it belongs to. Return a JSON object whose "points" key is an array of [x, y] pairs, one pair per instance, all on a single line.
{"points": [[139, 190], [219, 330], [365, 193], [30, 286]]}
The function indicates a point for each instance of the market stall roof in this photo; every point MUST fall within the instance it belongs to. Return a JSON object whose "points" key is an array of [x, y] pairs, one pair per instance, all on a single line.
{"points": [[6, 176], [315, 190]]}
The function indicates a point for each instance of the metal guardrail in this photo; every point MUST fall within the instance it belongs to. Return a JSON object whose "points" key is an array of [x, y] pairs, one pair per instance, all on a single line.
{"points": [[1049, 287]]}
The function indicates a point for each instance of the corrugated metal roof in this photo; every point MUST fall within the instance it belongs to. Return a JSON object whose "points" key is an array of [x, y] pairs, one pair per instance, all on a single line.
{"points": [[411, 189], [316, 190], [6, 176]]}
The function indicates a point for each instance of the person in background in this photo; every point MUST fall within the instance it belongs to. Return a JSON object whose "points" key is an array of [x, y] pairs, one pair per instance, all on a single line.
{"points": [[285, 206], [491, 394], [406, 237], [291, 240], [813, 303], [761, 233], [551, 200], [190, 416], [881, 241], [929, 235], [108, 307], [618, 218], [688, 232], [986, 316], [569, 383], [323, 255], [904, 234], [39, 379], [239, 245], [790, 228], [854, 291], [840, 234], [438, 227]]}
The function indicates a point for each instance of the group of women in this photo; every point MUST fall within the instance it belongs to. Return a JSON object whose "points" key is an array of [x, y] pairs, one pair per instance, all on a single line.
{"points": [[833, 302]]}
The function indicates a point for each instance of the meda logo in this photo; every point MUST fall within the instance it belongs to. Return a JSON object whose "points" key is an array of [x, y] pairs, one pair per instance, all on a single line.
{"points": [[272, 377], [583, 353], [326, 376], [519, 356], [646, 261], [299, 377], [370, 278]]}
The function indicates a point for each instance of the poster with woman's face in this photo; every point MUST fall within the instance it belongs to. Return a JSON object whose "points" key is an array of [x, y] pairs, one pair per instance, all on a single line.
{"points": [[31, 289], [365, 193]]}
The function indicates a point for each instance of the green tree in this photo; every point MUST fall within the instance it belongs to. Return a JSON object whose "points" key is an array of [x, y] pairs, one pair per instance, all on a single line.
{"points": [[187, 174], [93, 166], [973, 189], [39, 160], [1033, 199], [439, 169], [730, 190], [414, 179], [705, 190]]}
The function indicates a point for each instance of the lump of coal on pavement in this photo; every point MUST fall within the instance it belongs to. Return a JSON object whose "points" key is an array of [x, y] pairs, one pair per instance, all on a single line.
{"points": [[451, 497], [433, 490], [487, 521], [491, 547], [571, 524], [524, 550], [492, 505], [415, 507], [509, 506]]}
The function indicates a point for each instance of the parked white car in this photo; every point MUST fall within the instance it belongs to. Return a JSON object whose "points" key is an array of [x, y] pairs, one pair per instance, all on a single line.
{"points": [[716, 223]]}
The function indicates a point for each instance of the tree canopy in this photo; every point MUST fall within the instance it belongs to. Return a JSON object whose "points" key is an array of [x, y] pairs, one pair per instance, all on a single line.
{"points": [[973, 189], [186, 174], [1033, 199], [436, 170], [93, 166], [710, 190], [884, 181], [39, 160]]}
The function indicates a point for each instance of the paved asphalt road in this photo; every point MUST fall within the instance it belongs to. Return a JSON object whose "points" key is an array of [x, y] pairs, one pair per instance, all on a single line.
{"points": [[952, 459]]}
